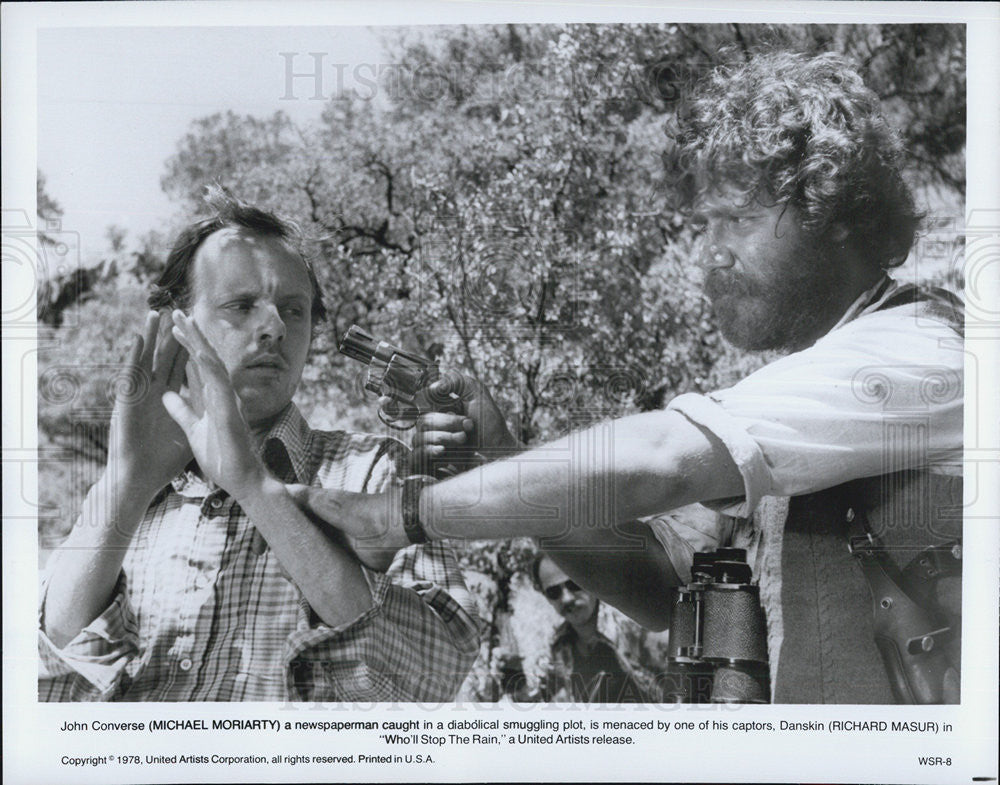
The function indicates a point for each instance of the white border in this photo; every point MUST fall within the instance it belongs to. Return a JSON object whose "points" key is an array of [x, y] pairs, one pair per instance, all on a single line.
{"points": [[29, 728]]}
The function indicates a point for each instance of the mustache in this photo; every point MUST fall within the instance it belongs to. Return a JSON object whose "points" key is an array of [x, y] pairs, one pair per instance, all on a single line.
{"points": [[726, 283]]}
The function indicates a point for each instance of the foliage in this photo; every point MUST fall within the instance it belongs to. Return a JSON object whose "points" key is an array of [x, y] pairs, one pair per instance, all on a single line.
{"points": [[496, 563], [48, 209], [80, 365], [500, 205]]}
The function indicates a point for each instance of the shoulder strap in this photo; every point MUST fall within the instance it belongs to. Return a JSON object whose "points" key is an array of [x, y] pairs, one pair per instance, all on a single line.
{"points": [[930, 303], [909, 634]]}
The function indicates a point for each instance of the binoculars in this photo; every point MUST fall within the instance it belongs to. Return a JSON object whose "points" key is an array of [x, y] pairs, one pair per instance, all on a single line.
{"points": [[718, 635]]}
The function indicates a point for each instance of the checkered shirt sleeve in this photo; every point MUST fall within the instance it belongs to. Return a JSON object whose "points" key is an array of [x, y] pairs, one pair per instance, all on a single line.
{"points": [[418, 640], [204, 611], [89, 667], [416, 643]]}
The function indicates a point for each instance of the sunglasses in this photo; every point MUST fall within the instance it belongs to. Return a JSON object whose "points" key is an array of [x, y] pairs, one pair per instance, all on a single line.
{"points": [[554, 592]]}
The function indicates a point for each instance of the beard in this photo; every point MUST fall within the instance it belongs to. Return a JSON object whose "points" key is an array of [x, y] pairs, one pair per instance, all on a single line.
{"points": [[786, 312]]}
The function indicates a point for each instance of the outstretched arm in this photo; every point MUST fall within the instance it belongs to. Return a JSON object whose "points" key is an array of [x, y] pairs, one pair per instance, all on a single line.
{"points": [[590, 481], [580, 495], [624, 565]]}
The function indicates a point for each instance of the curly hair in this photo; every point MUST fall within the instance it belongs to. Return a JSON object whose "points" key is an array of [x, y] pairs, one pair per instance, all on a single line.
{"points": [[785, 128], [173, 289]]}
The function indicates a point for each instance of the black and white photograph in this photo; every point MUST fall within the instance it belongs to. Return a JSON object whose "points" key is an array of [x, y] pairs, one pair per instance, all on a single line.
{"points": [[487, 392]]}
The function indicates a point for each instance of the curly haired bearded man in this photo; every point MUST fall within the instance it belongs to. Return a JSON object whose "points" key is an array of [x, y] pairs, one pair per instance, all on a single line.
{"points": [[838, 460]]}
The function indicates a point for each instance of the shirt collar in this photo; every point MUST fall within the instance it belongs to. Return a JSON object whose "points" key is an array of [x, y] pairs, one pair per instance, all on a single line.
{"points": [[869, 300], [563, 631], [288, 442], [285, 451]]}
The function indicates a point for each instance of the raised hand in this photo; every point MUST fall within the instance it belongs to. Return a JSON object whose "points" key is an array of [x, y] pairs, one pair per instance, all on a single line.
{"points": [[146, 448], [209, 414]]}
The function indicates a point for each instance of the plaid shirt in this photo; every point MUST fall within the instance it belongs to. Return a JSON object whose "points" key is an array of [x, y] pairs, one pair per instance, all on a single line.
{"points": [[203, 610], [621, 681]]}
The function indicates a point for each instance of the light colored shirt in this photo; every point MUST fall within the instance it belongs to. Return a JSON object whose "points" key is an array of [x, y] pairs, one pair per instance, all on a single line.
{"points": [[880, 393], [832, 413], [203, 610]]}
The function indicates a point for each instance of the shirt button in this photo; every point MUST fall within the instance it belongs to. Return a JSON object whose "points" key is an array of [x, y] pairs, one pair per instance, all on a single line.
{"points": [[185, 664], [850, 514], [216, 503]]}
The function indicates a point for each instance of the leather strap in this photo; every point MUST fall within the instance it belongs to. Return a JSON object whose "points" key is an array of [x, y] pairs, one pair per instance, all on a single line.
{"points": [[412, 486]]}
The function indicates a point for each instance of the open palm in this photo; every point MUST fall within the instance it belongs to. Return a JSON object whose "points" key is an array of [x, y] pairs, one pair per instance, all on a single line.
{"points": [[209, 413], [147, 448]]}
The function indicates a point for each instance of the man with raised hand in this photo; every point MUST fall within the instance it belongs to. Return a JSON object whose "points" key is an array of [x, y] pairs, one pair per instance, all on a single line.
{"points": [[191, 574], [838, 466]]}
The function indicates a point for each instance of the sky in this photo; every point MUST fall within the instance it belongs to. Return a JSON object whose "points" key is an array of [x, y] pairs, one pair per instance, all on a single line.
{"points": [[114, 102]]}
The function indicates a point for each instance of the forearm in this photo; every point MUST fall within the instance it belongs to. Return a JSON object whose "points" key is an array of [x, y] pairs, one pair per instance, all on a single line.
{"points": [[609, 474], [329, 577], [625, 566], [86, 567], [622, 564]]}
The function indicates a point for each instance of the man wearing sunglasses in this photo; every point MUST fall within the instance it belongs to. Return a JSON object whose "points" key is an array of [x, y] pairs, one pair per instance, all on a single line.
{"points": [[586, 667]]}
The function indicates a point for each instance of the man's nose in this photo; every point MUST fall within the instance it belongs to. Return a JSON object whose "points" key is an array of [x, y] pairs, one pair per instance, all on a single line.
{"points": [[271, 327], [713, 252], [715, 257]]}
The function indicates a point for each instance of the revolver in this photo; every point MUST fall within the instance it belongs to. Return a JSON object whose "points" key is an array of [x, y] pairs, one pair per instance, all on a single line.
{"points": [[395, 373]]}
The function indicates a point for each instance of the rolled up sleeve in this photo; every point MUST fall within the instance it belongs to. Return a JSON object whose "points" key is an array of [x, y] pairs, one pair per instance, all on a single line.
{"points": [[92, 666], [743, 449], [689, 530], [844, 408]]}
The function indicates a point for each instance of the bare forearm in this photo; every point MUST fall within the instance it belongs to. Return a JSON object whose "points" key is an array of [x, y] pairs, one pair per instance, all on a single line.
{"points": [[609, 474], [329, 577], [625, 566], [86, 567]]}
